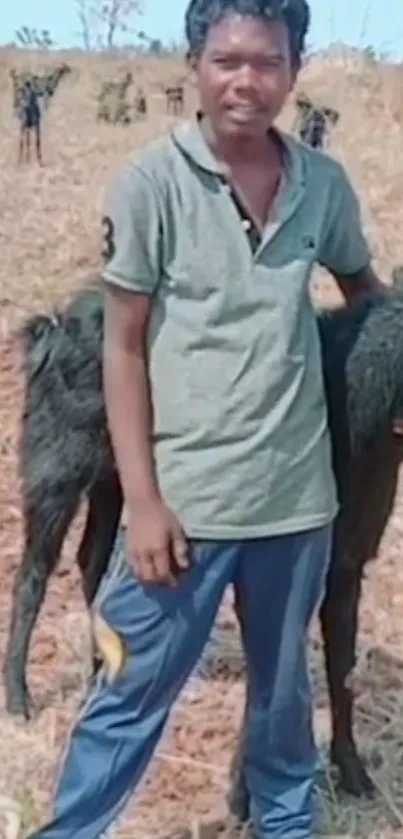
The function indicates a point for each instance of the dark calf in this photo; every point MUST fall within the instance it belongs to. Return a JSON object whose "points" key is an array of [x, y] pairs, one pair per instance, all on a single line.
{"points": [[314, 122], [363, 374], [65, 454]]}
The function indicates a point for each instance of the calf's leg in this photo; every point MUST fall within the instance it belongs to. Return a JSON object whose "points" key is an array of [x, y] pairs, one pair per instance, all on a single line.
{"points": [[339, 622], [38, 143], [104, 508], [46, 525], [21, 144]]}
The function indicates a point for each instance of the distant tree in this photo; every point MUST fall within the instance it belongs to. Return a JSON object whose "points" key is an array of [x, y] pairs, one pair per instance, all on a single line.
{"points": [[370, 54], [33, 38], [153, 45], [101, 21], [84, 17]]}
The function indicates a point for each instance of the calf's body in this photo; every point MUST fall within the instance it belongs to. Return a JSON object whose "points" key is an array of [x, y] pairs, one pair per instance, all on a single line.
{"points": [[65, 455]]}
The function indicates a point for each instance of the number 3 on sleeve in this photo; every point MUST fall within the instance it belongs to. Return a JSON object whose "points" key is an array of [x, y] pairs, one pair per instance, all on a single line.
{"points": [[108, 248]]}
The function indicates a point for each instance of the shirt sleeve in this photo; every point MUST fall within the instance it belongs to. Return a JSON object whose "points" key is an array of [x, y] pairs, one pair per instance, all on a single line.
{"points": [[132, 231], [344, 249]]}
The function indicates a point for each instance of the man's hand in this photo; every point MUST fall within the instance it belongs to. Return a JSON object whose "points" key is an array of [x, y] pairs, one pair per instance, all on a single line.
{"points": [[158, 549]]}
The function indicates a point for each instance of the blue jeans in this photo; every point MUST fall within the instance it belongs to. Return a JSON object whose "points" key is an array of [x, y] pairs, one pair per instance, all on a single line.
{"points": [[280, 581]]}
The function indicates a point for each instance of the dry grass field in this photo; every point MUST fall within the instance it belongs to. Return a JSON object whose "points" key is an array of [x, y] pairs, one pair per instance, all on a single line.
{"points": [[49, 241]]}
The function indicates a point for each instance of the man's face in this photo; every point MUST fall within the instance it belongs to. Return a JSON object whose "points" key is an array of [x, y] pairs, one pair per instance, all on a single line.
{"points": [[244, 75]]}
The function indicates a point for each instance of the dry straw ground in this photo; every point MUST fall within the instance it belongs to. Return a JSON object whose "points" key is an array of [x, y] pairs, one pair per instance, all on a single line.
{"points": [[49, 239]]}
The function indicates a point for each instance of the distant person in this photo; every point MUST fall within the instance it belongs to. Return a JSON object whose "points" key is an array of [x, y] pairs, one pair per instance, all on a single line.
{"points": [[214, 392], [30, 121]]}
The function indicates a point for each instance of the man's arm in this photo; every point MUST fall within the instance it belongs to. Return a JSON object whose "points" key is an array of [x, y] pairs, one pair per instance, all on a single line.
{"points": [[344, 250], [131, 274], [133, 231], [126, 389]]}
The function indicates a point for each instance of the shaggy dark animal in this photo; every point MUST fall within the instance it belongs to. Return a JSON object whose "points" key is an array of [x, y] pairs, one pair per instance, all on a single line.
{"points": [[65, 455]]}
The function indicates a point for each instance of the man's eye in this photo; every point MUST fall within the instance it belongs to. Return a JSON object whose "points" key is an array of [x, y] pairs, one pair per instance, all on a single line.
{"points": [[226, 62]]}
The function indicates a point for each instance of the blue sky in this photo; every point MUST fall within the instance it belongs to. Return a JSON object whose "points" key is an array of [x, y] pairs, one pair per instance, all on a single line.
{"points": [[331, 20]]}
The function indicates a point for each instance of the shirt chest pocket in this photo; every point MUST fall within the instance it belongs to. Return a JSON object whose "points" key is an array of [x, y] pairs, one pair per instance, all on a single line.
{"points": [[206, 252], [205, 280], [282, 287]]}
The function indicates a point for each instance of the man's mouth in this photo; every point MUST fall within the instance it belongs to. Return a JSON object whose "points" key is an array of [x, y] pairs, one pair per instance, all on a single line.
{"points": [[245, 111]]}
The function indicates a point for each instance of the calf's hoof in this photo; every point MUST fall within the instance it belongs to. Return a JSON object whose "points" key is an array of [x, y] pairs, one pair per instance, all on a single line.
{"points": [[238, 803], [353, 777]]}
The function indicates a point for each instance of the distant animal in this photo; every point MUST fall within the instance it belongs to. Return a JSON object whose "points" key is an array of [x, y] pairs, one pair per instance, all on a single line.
{"points": [[49, 82], [113, 103], [29, 115], [175, 98], [44, 84], [31, 94], [314, 122], [140, 103]]}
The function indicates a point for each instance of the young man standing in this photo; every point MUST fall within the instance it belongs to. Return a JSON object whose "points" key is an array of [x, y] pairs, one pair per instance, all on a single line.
{"points": [[214, 394]]}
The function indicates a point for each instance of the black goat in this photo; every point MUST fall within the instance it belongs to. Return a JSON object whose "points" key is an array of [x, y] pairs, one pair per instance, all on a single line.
{"points": [[362, 351], [65, 454]]}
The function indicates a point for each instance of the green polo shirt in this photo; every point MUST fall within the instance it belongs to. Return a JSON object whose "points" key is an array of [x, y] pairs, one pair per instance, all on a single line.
{"points": [[240, 434]]}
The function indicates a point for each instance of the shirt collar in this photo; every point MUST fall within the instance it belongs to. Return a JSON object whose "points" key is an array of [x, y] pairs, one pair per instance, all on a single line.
{"points": [[187, 135]]}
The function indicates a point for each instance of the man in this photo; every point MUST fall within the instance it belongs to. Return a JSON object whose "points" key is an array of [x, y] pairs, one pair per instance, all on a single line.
{"points": [[214, 394]]}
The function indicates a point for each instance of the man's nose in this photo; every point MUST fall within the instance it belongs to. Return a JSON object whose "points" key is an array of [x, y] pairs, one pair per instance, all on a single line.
{"points": [[246, 79]]}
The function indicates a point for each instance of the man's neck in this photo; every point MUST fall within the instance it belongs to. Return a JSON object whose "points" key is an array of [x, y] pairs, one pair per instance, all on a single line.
{"points": [[242, 151]]}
